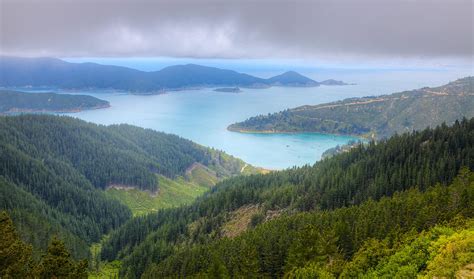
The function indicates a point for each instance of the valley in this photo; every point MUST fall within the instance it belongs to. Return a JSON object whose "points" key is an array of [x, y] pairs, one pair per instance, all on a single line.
{"points": [[119, 194]]}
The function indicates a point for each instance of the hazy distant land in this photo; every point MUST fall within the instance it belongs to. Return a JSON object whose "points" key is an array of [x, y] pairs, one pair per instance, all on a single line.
{"points": [[56, 73], [12, 102]]}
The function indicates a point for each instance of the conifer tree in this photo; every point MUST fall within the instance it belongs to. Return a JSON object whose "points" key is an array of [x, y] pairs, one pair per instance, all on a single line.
{"points": [[57, 263], [15, 256]]}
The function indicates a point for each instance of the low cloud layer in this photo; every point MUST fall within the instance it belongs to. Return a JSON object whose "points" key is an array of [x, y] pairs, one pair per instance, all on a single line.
{"points": [[238, 29]]}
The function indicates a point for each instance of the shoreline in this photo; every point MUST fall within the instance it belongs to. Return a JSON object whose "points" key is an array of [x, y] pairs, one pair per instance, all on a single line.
{"points": [[89, 90], [19, 111], [270, 132]]}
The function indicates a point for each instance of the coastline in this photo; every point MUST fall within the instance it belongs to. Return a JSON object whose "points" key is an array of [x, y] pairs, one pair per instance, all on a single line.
{"points": [[75, 110], [364, 137]]}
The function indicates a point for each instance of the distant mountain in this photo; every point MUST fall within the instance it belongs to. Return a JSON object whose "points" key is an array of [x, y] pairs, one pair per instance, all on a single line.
{"points": [[292, 78], [52, 72], [14, 102], [379, 116], [191, 75]]}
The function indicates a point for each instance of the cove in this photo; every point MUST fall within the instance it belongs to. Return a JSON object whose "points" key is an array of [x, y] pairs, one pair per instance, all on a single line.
{"points": [[203, 116]]}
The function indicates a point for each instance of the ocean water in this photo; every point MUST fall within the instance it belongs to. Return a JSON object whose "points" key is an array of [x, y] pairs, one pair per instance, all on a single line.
{"points": [[203, 115]]}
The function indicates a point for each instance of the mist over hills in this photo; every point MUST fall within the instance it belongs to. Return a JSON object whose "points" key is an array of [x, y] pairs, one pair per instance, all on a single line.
{"points": [[53, 72]]}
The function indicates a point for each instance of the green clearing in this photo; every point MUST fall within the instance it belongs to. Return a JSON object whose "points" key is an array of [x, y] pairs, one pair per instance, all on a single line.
{"points": [[181, 190], [171, 193]]}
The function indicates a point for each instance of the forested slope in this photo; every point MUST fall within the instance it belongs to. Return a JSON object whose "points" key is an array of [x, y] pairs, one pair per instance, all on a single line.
{"points": [[419, 159], [53, 171], [19, 102], [380, 116], [393, 237]]}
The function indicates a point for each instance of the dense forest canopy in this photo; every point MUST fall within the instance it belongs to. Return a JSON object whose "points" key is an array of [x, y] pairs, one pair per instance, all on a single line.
{"points": [[412, 233], [53, 171], [411, 163], [16, 102], [359, 213], [379, 117]]}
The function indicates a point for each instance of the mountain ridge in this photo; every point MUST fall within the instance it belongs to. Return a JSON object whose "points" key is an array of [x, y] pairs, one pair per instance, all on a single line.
{"points": [[54, 72]]}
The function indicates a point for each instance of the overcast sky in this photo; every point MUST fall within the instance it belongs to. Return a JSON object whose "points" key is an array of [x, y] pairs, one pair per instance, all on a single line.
{"points": [[337, 29]]}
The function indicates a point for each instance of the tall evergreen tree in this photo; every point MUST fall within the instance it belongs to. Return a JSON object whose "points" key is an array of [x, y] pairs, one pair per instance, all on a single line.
{"points": [[15, 256], [57, 263]]}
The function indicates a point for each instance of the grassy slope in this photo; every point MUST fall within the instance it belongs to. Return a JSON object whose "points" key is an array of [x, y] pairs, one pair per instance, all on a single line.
{"points": [[173, 192]]}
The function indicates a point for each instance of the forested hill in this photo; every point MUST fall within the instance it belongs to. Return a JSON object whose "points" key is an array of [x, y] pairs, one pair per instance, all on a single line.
{"points": [[203, 239], [51, 72], [53, 171], [380, 116], [16, 102]]}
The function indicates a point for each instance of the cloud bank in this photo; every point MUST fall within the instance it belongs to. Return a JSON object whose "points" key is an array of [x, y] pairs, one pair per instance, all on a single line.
{"points": [[238, 29]]}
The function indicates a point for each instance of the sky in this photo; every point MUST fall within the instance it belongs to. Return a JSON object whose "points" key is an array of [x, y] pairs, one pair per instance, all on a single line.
{"points": [[424, 32]]}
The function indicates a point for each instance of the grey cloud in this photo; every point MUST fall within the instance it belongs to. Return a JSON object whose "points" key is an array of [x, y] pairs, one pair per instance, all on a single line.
{"points": [[233, 29]]}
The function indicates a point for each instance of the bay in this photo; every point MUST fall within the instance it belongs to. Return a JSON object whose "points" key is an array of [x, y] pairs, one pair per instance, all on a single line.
{"points": [[203, 115]]}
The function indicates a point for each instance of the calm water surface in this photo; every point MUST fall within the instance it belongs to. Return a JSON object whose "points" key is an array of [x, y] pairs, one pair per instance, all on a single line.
{"points": [[203, 115]]}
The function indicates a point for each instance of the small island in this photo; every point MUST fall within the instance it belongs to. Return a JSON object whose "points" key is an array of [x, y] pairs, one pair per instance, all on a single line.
{"points": [[333, 82], [12, 102], [228, 89]]}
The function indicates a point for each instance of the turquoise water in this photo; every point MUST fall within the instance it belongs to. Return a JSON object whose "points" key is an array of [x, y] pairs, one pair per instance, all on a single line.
{"points": [[203, 115]]}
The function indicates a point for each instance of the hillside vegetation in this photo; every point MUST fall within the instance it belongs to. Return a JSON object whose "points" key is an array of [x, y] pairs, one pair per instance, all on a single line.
{"points": [[54, 172], [19, 102], [379, 117], [413, 233], [382, 191]]}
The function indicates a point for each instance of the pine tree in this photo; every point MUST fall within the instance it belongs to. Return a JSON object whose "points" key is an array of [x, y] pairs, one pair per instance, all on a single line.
{"points": [[57, 263], [15, 256]]}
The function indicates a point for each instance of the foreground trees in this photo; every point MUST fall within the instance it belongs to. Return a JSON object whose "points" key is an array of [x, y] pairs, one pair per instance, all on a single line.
{"points": [[410, 234], [16, 257]]}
